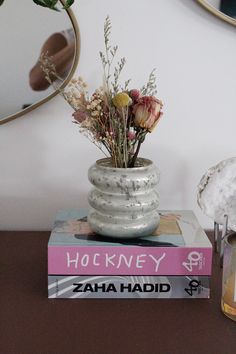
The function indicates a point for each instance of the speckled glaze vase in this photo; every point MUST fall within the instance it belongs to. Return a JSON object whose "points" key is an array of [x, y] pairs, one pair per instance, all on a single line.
{"points": [[123, 201]]}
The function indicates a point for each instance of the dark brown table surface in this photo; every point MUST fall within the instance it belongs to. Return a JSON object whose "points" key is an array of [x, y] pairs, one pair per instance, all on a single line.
{"points": [[30, 323]]}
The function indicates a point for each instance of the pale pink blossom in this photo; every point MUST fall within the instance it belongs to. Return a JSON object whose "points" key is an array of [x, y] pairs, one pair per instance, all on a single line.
{"points": [[131, 135]]}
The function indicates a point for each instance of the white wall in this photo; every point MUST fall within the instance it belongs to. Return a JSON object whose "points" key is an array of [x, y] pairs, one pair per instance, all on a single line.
{"points": [[44, 159]]}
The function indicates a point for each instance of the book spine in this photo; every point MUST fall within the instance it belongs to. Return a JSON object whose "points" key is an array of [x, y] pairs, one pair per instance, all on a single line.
{"points": [[160, 287], [131, 260]]}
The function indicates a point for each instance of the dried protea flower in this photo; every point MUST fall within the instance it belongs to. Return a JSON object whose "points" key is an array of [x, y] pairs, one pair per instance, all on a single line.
{"points": [[147, 112]]}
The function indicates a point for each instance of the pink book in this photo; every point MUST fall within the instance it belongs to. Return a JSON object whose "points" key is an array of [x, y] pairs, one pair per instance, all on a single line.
{"points": [[179, 246]]}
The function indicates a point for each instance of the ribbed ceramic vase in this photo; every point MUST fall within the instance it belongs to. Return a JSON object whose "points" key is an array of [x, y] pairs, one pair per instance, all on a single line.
{"points": [[123, 201]]}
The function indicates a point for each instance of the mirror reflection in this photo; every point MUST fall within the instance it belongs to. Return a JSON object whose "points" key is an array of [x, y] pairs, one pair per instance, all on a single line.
{"points": [[227, 7], [60, 47], [27, 31]]}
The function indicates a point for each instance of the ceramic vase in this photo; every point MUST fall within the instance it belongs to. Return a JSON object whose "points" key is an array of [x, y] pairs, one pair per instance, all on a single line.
{"points": [[123, 201]]}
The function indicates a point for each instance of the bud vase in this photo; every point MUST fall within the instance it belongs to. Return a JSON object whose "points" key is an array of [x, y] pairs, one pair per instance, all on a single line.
{"points": [[123, 201]]}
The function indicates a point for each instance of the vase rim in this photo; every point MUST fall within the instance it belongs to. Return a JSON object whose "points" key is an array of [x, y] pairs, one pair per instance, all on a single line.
{"points": [[106, 164]]}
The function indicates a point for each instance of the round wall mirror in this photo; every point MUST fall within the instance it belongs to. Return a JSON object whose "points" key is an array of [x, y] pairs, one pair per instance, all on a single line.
{"points": [[27, 30], [224, 9]]}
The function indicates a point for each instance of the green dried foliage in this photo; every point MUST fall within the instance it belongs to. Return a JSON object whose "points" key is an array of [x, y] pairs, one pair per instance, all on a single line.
{"points": [[107, 59], [150, 88]]}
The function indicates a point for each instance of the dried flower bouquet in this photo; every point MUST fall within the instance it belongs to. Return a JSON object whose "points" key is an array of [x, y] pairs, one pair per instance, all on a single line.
{"points": [[114, 118]]}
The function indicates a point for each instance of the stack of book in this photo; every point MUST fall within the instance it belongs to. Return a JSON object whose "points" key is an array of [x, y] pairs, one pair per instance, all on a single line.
{"points": [[174, 262]]}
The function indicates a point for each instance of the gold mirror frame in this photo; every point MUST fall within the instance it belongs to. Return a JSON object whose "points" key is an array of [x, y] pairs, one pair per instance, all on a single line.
{"points": [[75, 63], [216, 12]]}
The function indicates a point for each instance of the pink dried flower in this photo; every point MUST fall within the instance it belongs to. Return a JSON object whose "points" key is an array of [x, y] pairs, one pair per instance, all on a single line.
{"points": [[80, 116], [147, 112], [131, 135], [135, 94]]}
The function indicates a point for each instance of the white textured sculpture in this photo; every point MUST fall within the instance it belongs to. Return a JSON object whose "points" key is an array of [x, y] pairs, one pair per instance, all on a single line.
{"points": [[217, 192]]}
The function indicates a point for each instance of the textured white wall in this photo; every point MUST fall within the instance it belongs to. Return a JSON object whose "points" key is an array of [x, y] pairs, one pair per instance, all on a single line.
{"points": [[44, 159]]}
